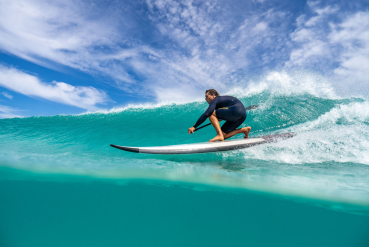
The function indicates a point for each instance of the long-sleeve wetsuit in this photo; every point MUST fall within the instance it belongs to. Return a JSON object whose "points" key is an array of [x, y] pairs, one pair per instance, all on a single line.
{"points": [[226, 108]]}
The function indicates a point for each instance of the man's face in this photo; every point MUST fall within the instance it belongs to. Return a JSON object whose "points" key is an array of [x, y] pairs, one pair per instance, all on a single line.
{"points": [[209, 98]]}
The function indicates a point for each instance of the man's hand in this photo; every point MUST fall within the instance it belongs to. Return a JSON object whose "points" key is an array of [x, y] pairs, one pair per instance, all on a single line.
{"points": [[191, 130]]}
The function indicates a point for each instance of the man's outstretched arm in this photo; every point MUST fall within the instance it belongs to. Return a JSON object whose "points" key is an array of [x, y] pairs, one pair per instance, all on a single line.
{"points": [[206, 114]]}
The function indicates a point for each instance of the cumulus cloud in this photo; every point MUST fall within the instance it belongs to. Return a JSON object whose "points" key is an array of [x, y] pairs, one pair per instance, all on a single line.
{"points": [[20, 82]]}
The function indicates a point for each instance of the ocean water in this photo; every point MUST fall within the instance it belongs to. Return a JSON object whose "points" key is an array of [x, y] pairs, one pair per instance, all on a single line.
{"points": [[61, 184]]}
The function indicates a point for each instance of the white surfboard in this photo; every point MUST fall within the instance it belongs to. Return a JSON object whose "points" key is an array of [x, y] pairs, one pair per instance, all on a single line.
{"points": [[206, 147]]}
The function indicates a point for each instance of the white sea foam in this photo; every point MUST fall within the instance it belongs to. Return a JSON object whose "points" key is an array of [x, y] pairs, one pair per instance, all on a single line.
{"points": [[283, 83], [340, 135]]}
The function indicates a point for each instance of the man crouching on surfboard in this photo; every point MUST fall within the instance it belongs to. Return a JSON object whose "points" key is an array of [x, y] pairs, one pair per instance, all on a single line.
{"points": [[224, 108]]}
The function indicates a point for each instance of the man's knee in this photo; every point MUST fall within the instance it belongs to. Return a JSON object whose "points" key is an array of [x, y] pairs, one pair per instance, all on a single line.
{"points": [[214, 114]]}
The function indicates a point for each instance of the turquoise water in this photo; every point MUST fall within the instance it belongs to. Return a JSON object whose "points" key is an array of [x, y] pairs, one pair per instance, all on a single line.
{"points": [[61, 184]]}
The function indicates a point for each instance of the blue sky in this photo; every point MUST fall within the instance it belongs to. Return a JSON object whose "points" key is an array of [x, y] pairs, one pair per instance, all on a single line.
{"points": [[70, 57]]}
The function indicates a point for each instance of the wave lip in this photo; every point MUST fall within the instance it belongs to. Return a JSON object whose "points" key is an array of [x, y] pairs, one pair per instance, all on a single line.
{"points": [[287, 84]]}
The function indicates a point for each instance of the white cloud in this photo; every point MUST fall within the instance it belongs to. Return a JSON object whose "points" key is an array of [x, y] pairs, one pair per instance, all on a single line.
{"points": [[338, 47], [352, 38], [310, 37], [310, 52], [322, 13], [260, 27], [8, 95], [71, 33], [7, 112], [353, 35], [82, 97]]}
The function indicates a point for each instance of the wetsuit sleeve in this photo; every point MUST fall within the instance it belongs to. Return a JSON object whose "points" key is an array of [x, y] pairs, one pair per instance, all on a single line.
{"points": [[207, 113]]}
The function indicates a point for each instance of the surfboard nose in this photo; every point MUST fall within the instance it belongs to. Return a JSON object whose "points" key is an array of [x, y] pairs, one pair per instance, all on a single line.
{"points": [[129, 149]]}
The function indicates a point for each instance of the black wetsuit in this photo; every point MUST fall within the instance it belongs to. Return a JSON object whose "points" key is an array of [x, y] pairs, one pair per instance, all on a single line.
{"points": [[226, 108]]}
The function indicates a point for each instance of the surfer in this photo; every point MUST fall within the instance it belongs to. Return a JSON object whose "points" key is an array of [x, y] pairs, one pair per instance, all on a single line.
{"points": [[224, 108]]}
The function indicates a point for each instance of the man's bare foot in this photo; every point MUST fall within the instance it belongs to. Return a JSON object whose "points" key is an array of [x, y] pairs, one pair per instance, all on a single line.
{"points": [[217, 138], [246, 131]]}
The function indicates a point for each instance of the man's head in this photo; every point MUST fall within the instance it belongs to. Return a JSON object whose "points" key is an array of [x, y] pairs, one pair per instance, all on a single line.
{"points": [[210, 94]]}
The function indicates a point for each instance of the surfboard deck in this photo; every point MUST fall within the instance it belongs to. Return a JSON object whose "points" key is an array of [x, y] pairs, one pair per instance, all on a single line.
{"points": [[207, 147]]}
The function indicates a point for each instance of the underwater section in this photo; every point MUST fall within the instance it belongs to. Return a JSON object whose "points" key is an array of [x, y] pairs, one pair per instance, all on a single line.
{"points": [[77, 211]]}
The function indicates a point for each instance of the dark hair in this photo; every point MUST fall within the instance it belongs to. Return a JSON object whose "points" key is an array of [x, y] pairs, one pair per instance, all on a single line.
{"points": [[212, 92]]}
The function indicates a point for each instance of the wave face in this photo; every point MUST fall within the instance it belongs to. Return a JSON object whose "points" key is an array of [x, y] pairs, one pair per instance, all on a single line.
{"points": [[328, 158]]}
